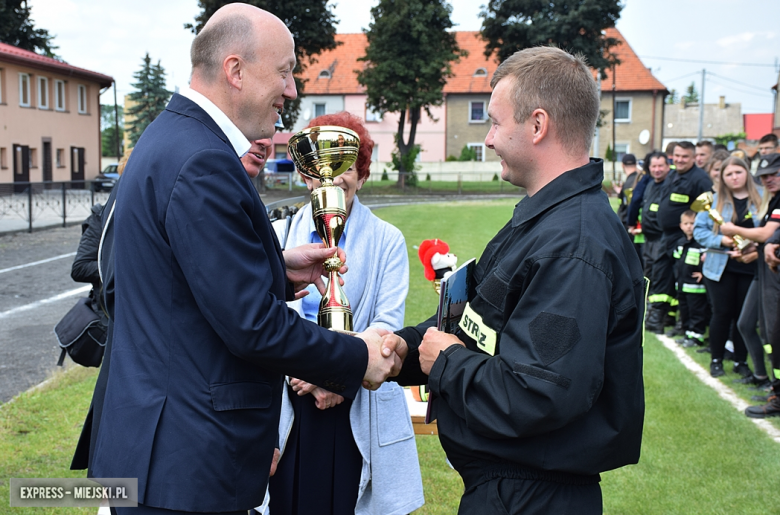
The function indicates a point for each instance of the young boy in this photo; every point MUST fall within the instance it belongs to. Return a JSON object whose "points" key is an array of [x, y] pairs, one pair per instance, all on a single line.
{"points": [[693, 307]]}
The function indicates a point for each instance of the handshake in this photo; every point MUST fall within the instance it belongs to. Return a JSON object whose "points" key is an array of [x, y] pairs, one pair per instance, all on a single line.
{"points": [[386, 353]]}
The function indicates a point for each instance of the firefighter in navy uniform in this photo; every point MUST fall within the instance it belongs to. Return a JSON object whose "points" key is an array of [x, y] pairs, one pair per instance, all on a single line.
{"points": [[541, 388], [686, 182]]}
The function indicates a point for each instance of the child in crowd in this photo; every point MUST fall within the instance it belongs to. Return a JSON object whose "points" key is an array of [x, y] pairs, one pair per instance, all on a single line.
{"points": [[728, 274], [691, 292]]}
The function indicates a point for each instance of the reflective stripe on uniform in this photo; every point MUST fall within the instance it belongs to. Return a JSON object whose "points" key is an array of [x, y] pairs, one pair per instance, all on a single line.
{"points": [[694, 288]]}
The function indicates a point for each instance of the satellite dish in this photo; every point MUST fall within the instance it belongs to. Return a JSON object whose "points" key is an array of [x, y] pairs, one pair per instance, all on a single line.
{"points": [[644, 137]]}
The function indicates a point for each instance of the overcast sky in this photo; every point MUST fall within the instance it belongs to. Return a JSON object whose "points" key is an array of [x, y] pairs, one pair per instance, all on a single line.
{"points": [[676, 39]]}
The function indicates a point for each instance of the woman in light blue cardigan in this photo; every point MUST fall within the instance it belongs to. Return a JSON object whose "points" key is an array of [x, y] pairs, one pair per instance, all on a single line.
{"points": [[727, 274], [360, 456]]}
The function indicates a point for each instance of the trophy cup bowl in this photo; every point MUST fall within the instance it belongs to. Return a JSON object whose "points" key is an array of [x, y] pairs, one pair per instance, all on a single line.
{"points": [[704, 203], [323, 153]]}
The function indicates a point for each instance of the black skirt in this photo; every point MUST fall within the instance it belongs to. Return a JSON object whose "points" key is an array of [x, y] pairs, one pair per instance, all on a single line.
{"points": [[320, 469]]}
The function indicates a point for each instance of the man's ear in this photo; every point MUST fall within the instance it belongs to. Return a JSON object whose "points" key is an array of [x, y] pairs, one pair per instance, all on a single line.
{"points": [[233, 68], [541, 125]]}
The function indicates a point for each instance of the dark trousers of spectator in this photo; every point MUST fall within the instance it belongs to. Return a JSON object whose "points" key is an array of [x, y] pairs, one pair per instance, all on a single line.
{"points": [[747, 325], [728, 296], [694, 312]]}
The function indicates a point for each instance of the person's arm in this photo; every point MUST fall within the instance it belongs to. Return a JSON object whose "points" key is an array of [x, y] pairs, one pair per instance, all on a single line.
{"points": [[636, 201], [702, 233], [550, 369], [85, 265], [757, 234]]}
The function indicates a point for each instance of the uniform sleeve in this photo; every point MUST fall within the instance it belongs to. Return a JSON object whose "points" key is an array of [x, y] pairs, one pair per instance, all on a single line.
{"points": [[226, 252], [85, 265], [636, 201], [549, 368], [775, 238], [702, 232]]}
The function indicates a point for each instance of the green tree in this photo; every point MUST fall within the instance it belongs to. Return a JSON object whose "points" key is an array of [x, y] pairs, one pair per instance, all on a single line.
{"points": [[725, 139], [468, 153], [408, 61], [18, 29], [108, 129], [312, 23], [572, 25], [691, 95], [148, 100], [672, 98]]}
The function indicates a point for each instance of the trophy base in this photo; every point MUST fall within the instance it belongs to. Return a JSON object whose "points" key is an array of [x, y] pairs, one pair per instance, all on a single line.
{"points": [[340, 321]]}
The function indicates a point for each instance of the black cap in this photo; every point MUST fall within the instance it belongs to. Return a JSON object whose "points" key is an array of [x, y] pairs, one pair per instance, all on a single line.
{"points": [[769, 164], [629, 159]]}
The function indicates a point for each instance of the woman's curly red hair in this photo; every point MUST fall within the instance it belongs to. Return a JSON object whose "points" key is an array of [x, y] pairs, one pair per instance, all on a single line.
{"points": [[350, 121]]}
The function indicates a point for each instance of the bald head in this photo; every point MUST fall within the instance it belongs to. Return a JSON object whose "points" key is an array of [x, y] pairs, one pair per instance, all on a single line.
{"points": [[234, 29]]}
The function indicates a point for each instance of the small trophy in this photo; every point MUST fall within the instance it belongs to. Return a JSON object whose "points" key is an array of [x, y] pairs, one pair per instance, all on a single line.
{"points": [[323, 153], [704, 203]]}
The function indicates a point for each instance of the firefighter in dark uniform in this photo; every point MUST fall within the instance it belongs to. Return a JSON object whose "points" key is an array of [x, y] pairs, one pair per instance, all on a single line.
{"points": [[540, 390], [686, 182], [657, 263]]}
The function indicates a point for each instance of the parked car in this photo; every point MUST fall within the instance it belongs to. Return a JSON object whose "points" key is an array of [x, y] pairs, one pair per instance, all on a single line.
{"points": [[278, 172], [106, 179]]}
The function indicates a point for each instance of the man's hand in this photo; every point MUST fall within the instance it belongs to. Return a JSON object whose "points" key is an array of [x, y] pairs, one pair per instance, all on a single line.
{"points": [[304, 266], [727, 241], [382, 361], [770, 257], [394, 344], [433, 343], [697, 276]]}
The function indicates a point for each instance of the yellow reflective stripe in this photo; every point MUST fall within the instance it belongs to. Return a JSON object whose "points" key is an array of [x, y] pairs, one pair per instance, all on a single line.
{"points": [[767, 348], [694, 288], [692, 258], [777, 373], [472, 325], [679, 197], [644, 317], [653, 207]]}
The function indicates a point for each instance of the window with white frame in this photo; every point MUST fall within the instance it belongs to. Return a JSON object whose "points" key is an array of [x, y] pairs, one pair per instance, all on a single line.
{"points": [[621, 149], [319, 109], [623, 110], [59, 95], [479, 150], [373, 115], [33, 154], [43, 93], [24, 89], [60, 158], [82, 99], [477, 112]]}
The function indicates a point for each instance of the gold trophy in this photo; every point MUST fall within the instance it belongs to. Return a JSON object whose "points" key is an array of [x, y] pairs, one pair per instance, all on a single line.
{"points": [[323, 153], [704, 203]]}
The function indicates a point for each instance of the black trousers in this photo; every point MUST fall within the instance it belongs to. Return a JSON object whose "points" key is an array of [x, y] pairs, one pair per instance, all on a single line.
{"points": [[659, 268], [694, 312], [510, 493], [728, 296]]}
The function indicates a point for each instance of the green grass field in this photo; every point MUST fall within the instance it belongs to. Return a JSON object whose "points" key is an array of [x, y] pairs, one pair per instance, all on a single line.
{"points": [[699, 456]]}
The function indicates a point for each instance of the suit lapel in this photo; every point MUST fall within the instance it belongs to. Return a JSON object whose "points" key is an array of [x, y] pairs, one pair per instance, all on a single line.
{"points": [[182, 105]]}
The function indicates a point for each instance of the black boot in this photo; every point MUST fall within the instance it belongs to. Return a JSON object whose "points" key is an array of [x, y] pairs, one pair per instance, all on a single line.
{"points": [[654, 320], [771, 408], [677, 330]]}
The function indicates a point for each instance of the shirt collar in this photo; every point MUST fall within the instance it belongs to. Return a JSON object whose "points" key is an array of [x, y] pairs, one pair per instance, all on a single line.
{"points": [[561, 188], [238, 141]]}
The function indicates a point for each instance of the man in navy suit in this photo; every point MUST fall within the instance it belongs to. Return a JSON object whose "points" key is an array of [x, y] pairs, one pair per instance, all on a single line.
{"points": [[202, 336]]}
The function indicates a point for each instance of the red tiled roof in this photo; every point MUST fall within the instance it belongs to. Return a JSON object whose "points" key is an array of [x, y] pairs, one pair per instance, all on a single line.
{"points": [[757, 125], [342, 62], [630, 74], [10, 53]]}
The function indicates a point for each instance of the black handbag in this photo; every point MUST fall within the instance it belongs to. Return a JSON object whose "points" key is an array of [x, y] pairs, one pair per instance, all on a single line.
{"points": [[82, 334]]}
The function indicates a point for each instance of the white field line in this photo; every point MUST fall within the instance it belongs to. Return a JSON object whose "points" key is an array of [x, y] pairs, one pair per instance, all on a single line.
{"points": [[55, 258], [33, 305], [723, 391]]}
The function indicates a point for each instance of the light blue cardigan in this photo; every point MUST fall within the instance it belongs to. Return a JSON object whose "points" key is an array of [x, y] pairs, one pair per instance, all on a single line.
{"points": [[715, 262], [376, 285]]}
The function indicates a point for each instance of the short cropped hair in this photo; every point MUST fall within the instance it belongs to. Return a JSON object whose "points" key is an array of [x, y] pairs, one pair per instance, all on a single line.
{"points": [[704, 143], [687, 214], [655, 155], [562, 85], [231, 35], [687, 145], [768, 138], [670, 148]]}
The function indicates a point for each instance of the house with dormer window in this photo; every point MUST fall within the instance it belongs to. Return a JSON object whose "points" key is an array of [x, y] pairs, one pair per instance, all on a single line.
{"points": [[50, 113]]}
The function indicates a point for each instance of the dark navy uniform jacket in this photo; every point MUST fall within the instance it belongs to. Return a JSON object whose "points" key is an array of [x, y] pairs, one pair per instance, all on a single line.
{"points": [[551, 375], [682, 190], [202, 335]]}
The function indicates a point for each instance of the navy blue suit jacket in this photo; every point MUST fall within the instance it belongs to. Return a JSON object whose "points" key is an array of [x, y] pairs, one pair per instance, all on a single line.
{"points": [[202, 335]]}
